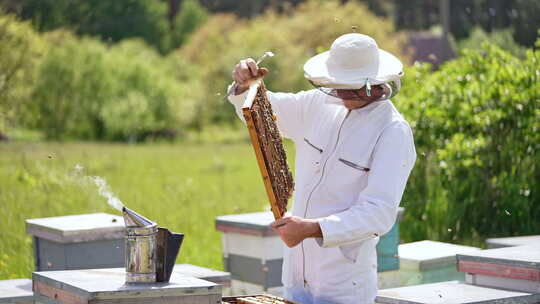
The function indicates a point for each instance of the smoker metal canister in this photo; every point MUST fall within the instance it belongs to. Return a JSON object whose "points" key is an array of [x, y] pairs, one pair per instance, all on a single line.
{"points": [[141, 243]]}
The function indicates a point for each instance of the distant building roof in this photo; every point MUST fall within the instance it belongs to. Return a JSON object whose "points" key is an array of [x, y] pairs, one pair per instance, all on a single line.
{"points": [[429, 47]]}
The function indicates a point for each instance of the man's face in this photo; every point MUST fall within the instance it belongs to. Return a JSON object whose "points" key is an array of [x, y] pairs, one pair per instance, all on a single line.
{"points": [[354, 99]]}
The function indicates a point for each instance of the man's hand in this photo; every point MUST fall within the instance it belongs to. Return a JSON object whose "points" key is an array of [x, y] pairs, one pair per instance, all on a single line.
{"points": [[245, 72], [294, 229]]}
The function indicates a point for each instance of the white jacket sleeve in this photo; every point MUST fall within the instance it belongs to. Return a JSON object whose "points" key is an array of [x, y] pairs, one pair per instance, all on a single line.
{"points": [[375, 210], [289, 108]]}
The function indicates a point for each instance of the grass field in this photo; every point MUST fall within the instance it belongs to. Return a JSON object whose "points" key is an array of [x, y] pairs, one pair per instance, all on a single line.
{"points": [[182, 186]]}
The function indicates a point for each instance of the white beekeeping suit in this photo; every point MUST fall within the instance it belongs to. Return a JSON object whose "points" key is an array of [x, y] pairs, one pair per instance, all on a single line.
{"points": [[351, 170]]}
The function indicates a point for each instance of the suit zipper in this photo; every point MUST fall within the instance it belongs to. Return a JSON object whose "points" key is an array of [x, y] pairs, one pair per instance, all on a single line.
{"points": [[313, 190]]}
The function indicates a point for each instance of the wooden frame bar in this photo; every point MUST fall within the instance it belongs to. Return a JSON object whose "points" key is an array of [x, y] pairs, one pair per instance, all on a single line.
{"points": [[256, 88]]}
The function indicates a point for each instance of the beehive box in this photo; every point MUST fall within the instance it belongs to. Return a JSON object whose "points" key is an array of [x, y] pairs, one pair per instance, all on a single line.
{"points": [[252, 252], [387, 248], [513, 268], [430, 262], [16, 291], [83, 241], [100, 286], [452, 292], [512, 241]]}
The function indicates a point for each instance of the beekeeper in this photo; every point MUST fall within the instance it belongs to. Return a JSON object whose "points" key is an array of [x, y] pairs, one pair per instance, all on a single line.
{"points": [[354, 153]]}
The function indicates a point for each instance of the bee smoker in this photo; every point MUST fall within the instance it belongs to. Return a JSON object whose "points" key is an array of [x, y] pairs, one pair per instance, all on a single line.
{"points": [[150, 250]]}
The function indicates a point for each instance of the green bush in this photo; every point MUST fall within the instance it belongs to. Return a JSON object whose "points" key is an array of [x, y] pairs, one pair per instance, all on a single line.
{"points": [[476, 131], [20, 50], [191, 16], [86, 90], [109, 20]]}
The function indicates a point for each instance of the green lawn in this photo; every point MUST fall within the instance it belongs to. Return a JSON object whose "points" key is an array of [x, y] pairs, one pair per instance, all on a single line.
{"points": [[182, 186]]}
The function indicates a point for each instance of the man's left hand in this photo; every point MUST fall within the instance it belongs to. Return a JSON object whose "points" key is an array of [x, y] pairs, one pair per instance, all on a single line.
{"points": [[294, 229]]}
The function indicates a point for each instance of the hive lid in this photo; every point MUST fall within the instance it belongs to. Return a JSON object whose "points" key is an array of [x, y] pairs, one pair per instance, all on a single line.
{"points": [[427, 254], [520, 262], [109, 284], [77, 228], [450, 293], [257, 223], [512, 241], [15, 291], [203, 273]]}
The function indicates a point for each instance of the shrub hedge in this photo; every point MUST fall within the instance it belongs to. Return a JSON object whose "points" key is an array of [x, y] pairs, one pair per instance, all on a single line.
{"points": [[476, 129]]}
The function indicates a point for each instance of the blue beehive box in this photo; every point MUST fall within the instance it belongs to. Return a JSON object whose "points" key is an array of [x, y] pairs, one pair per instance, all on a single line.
{"points": [[387, 248], [83, 241]]}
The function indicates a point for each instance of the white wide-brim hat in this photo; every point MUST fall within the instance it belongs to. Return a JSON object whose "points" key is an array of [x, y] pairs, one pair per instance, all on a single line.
{"points": [[352, 61]]}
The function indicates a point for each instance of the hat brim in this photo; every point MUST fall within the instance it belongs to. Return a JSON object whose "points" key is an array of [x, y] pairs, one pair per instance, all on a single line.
{"points": [[318, 70]]}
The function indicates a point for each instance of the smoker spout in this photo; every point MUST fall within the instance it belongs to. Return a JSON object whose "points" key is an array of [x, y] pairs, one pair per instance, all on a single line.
{"points": [[133, 219]]}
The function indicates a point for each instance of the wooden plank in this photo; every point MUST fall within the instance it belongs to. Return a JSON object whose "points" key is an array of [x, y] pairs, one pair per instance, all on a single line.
{"points": [[503, 283], [495, 270], [57, 294], [252, 93]]}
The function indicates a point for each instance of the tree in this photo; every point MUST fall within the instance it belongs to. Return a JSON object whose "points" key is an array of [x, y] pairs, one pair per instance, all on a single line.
{"points": [[519, 15], [109, 20], [191, 16], [20, 51]]}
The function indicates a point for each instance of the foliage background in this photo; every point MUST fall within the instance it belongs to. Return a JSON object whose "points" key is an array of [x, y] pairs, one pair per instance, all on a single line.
{"points": [[475, 123]]}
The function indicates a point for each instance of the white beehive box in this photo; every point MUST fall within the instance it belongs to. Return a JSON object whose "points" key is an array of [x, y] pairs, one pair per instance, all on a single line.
{"points": [[513, 268], [252, 252], [429, 262], [512, 241], [16, 291], [100, 286], [78, 241], [452, 292]]}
